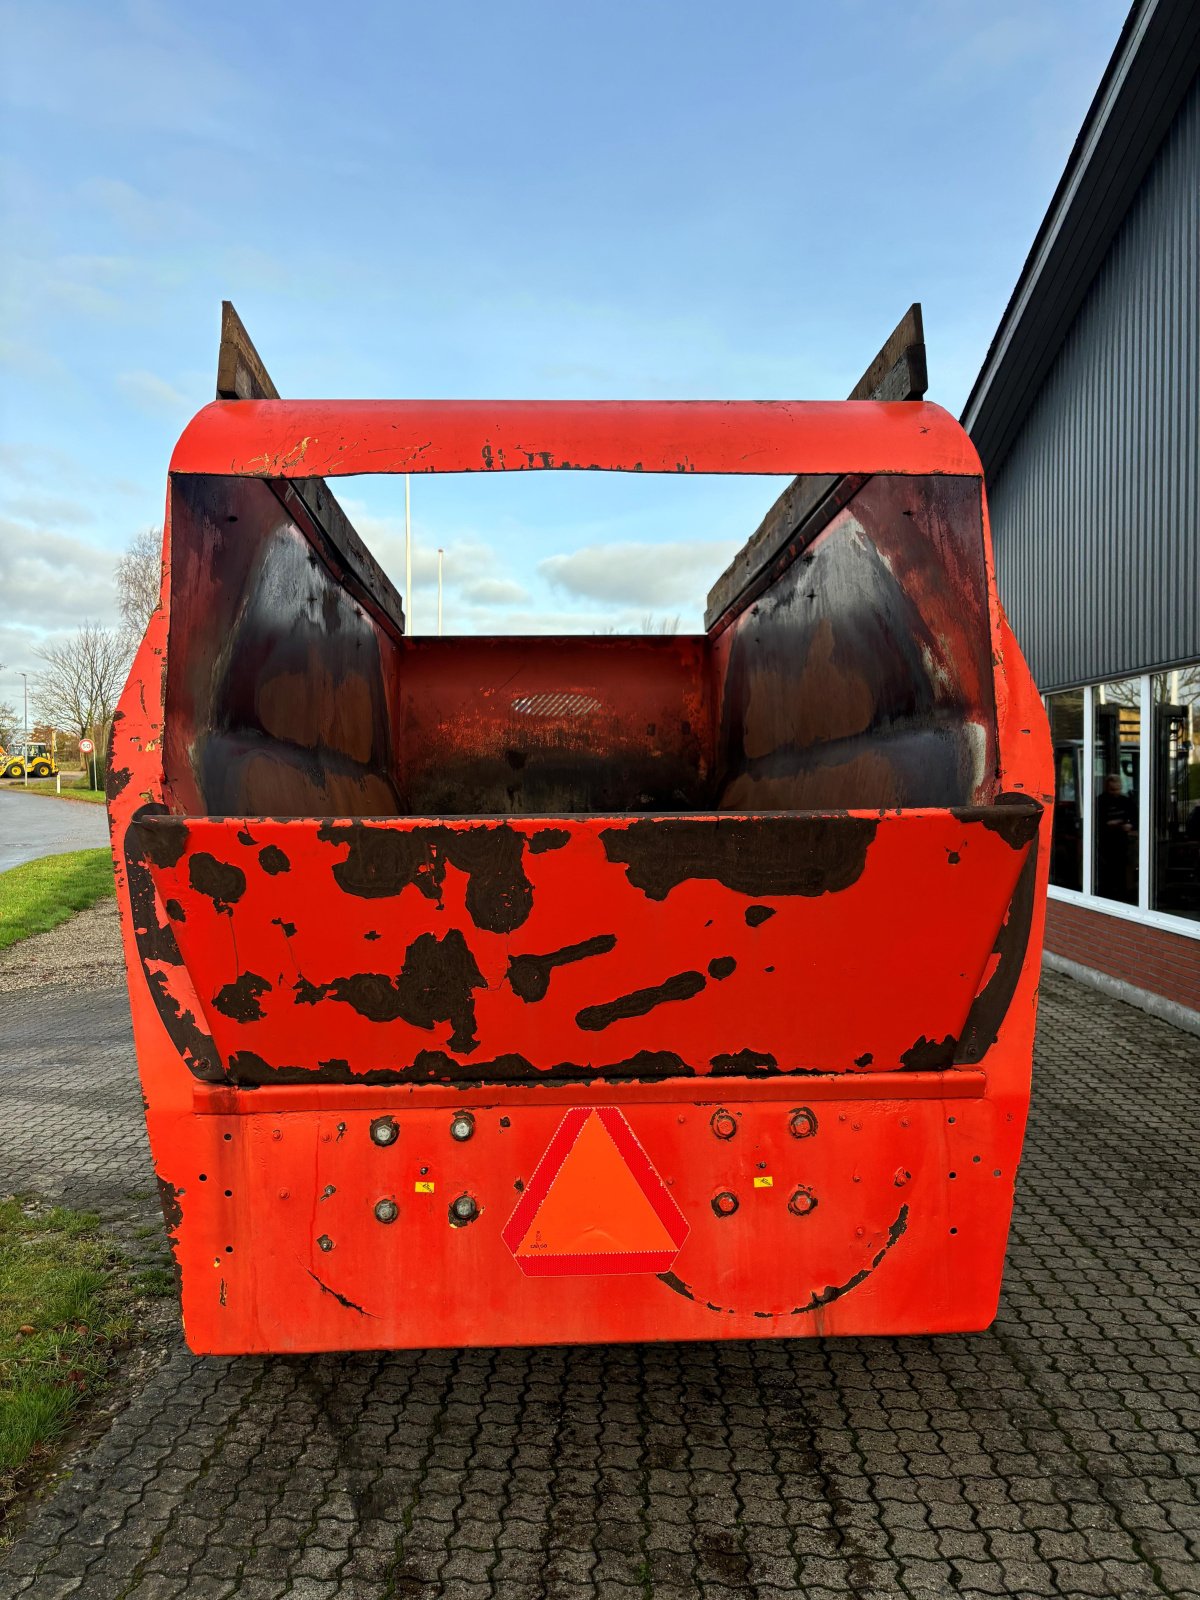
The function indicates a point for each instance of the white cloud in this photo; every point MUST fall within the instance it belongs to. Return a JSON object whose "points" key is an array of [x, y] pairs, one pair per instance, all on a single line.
{"points": [[155, 395], [675, 573], [495, 592]]}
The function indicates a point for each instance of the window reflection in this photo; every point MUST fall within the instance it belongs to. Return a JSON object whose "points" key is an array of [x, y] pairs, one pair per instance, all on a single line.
{"points": [[1117, 711], [1176, 838], [1066, 732]]}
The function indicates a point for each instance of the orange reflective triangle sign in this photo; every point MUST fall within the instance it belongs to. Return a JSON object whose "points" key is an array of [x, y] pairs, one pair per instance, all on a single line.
{"points": [[595, 1204]]}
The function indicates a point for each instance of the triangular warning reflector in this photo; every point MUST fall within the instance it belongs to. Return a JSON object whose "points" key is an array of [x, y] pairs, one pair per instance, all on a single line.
{"points": [[595, 1204]]}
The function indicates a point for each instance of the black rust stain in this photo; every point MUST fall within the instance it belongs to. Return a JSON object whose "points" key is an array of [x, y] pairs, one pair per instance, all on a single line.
{"points": [[161, 838], [435, 984], [990, 1006], [529, 976], [683, 986], [239, 1000], [721, 966], [755, 915], [251, 1071], [382, 862], [548, 839], [175, 911], [223, 883], [1014, 817], [819, 1298], [929, 1055], [272, 860], [800, 855], [744, 1064]]}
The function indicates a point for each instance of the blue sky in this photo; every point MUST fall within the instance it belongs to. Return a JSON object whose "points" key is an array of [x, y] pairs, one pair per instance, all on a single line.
{"points": [[559, 200]]}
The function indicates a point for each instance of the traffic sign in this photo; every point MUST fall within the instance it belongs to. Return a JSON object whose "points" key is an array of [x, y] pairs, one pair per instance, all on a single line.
{"points": [[86, 746], [595, 1204]]}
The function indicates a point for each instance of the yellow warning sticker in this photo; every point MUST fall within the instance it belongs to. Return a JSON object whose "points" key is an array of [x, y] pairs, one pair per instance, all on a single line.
{"points": [[423, 1186], [764, 1183]]}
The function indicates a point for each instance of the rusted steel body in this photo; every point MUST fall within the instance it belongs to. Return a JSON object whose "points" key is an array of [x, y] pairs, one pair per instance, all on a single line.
{"points": [[530, 990]]}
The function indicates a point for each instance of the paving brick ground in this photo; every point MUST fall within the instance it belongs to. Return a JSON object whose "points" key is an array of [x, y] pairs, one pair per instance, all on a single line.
{"points": [[1058, 1454]]}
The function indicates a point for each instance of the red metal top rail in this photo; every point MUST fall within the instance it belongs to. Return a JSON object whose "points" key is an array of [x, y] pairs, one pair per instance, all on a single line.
{"points": [[339, 438]]}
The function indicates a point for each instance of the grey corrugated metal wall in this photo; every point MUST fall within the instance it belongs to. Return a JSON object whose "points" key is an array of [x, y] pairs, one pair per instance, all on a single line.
{"points": [[1094, 510]]}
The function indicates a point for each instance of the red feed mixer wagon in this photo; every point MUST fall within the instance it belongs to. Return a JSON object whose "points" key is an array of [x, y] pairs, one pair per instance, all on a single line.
{"points": [[531, 990]]}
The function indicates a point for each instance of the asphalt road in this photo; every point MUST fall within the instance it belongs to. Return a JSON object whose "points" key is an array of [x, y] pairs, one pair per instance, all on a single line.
{"points": [[33, 825]]}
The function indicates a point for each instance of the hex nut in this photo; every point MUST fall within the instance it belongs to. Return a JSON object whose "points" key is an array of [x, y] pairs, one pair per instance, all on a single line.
{"points": [[462, 1126], [802, 1202], [386, 1211], [723, 1123], [324, 1242], [463, 1210], [384, 1130], [725, 1203], [803, 1123]]}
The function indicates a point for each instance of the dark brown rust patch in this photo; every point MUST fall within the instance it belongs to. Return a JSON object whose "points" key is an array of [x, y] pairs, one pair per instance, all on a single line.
{"points": [[929, 1055], [821, 1298], [744, 1064], [288, 928], [223, 883], [239, 999], [683, 986], [157, 948], [721, 966], [435, 984], [990, 1006], [157, 837], [1014, 817], [756, 915], [251, 1071], [382, 862], [801, 855], [548, 839], [175, 911], [864, 1060], [172, 1211], [529, 976], [272, 860]]}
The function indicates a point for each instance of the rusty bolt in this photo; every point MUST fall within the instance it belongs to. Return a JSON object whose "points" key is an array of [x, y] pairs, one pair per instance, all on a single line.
{"points": [[724, 1124], [384, 1130], [802, 1202], [803, 1123], [386, 1211], [324, 1242], [724, 1203], [902, 1177], [462, 1126], [463, 1210]]}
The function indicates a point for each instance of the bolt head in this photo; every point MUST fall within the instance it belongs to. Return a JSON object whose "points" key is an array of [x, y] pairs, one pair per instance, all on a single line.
{"points": [[324, 1242], [725, 1203], [462, 1127], [464, 1208], [384, 1130], [386, 1211], [723, 1123], [802, 1202], [803, 1123]]}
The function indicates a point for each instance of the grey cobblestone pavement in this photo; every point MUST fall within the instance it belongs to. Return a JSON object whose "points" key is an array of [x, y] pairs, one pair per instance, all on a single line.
{"points": [[1057, 1454]]}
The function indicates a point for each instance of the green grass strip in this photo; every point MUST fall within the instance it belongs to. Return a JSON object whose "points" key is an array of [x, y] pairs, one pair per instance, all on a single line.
{"points": [[63, 1310], [70, 791], [40, 894]]}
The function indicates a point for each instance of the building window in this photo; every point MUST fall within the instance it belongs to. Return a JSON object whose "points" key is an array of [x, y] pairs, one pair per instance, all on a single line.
{"points": [[1176, 786], [1066, 731], [1116, 708]]}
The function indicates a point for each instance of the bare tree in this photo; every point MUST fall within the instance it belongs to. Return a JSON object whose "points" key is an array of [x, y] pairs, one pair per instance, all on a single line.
{"points": [[653, 624], [77, 687], [10, 722], [137, 577]]}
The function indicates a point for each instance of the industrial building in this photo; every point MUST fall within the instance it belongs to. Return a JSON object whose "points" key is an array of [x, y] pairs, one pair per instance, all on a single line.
{"points": [[1087, 417]]}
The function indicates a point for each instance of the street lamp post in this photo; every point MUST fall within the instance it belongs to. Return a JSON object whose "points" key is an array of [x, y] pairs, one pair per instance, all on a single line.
{"points": [[25, 762]]}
